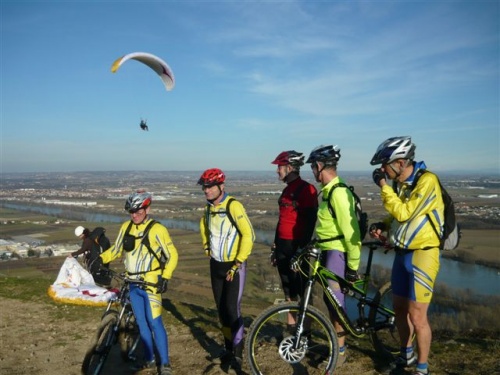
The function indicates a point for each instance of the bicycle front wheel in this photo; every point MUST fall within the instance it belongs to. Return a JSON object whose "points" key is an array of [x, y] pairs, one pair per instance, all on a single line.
{"points": [[129, 337], [384, 337], [100, 346], [270, 349]]}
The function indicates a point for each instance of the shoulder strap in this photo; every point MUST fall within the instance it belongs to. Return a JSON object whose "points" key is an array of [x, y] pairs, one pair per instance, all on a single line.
{"points": [[330, 207], [230, 216], [227, 212], [145, 241], [419, 173], [332, 211]]}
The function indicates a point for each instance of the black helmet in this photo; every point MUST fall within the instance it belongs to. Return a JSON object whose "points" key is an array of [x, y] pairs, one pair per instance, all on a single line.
{"points": [[327, 154], [392, 149]]}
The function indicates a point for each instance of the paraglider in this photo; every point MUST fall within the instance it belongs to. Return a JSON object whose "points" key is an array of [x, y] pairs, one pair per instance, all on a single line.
{"points": [[143, 125], [154, 62]]}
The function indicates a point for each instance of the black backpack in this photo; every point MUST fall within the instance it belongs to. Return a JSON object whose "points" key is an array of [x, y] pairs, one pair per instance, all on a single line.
{"points": [[100, 242], [362, 217], [451, 229]]}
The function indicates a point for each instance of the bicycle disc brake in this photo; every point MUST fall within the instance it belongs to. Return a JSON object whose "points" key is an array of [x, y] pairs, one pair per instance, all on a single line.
{"points": [[289, 353]]}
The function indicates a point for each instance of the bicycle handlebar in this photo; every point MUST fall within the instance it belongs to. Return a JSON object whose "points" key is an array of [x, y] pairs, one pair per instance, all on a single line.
{"points": [[124, 277], [312, 250]]}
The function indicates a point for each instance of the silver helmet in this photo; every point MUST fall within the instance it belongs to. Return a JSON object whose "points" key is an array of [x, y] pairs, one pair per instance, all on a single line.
{"points": [[392, 149]]}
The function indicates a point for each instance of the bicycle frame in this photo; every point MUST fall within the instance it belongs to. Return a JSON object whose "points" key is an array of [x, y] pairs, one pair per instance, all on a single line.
{"points": [[357, 290]]}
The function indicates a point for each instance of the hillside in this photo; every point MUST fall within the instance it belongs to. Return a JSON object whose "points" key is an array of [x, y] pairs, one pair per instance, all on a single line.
{"points": [[38, 336]]}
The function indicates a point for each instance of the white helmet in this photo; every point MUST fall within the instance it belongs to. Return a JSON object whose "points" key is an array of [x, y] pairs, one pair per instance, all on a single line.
{"points": [[79, 230]]}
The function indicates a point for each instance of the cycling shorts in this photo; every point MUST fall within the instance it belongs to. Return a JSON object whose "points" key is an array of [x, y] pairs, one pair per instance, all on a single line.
{"points": [[414, 274]]}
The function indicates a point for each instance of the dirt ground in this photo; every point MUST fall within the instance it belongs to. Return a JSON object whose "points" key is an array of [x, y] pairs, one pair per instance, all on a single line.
{"points": [[34, 342]]}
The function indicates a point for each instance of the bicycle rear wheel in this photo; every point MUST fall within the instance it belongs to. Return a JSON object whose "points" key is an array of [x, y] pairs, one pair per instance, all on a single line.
{"points": [[270, 349], [384, 337], [101, 343]]}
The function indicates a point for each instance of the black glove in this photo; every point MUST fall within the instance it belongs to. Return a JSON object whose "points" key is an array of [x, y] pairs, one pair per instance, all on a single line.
{"points": [[351, 275], [377, 176], [162, 285], [272, 258]]}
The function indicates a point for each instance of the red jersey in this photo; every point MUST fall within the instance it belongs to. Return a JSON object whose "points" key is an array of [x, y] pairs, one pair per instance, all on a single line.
{"points": [[297, 198]]}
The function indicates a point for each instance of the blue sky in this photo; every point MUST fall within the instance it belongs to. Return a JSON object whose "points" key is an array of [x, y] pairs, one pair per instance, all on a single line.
{"points": [[252, 79]]}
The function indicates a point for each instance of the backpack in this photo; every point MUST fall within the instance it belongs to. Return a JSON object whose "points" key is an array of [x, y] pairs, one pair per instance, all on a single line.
{"points": [[451, 229], [100, 241], [362, 217]]}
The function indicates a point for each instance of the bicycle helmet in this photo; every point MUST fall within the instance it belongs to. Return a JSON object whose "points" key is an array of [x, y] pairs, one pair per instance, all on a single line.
{"points": [[293, 158], [211, 177], [79, 230], [327, 154], [138, 200], [392, 149]]}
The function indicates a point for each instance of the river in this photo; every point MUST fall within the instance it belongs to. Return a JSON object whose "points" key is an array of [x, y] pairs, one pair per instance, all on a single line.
{"points": [[455, 275]]}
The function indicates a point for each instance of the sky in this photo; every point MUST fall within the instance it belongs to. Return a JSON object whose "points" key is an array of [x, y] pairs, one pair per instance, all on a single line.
{"points": [[252, 79]]}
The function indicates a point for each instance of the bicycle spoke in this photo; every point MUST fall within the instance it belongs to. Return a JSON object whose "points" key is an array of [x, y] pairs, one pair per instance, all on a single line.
{"points": [[271, 349], [385, 337]]}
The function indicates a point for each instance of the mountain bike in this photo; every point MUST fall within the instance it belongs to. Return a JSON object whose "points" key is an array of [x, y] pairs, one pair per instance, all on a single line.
{"points": [[312, 346], [118, 325]]}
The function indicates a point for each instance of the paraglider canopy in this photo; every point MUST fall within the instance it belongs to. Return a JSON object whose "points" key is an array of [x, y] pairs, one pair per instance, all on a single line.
{"points": [[154, 62]]}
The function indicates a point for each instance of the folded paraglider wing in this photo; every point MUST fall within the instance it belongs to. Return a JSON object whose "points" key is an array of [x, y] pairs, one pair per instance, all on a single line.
{"points": [[154, 62], [75, 285]]}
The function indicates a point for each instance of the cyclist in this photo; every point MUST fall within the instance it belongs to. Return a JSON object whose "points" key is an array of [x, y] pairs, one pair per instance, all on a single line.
{"points": [[416, 263], [339, 237], [149, 255], [298, 206], [227, 237]]}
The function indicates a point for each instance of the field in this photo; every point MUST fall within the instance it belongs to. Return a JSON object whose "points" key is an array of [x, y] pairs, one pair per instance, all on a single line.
{"points": [[39, 336]]}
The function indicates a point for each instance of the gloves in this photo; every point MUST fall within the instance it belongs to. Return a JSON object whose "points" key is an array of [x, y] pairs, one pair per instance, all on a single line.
{"points": [[207, 252], [377, 176], [377, 226], [351, 275], [232, 272], [162, 285], [296, 260], [272, 258], [295, 263]]}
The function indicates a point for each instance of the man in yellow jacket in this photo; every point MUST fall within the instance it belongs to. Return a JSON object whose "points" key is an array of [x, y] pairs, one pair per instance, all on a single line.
{"points": [[227, 237], [416, 263], [151, 256]]}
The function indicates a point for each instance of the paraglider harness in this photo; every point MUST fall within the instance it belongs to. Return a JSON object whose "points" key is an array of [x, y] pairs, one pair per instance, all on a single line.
{"points": [[129, 245], [100, 243]]}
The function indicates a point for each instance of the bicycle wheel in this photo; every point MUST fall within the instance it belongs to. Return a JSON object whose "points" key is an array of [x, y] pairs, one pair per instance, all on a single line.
{"points": [[269, 348], [384, 337], [101, 344], [128, 337]]}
